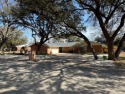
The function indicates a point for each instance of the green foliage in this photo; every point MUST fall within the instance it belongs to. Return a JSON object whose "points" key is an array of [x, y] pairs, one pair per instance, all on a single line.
{"points": [[117, 40], [105, 49], [38, 17], [101, 39], [7, 26], [74, 39], [80, 44], [16, 38], [124, 44], [47, 18], [17, 41]]}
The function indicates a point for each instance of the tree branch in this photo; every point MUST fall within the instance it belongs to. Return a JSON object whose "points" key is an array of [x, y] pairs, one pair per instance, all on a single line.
{"points": [[113, 11], [97, 2], [120, 26], [88, 7]]}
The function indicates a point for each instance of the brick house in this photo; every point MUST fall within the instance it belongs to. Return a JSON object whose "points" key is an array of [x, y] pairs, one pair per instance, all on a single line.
{"points": [[54, 48], [70, 47]]}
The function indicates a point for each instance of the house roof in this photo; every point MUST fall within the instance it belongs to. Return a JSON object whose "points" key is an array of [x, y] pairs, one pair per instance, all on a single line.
{"points": [[23, 45], [92, 43], [69, 44]]}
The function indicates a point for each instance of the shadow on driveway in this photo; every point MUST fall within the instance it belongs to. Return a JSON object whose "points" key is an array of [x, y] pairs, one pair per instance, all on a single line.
{"points": [[72, 74]]}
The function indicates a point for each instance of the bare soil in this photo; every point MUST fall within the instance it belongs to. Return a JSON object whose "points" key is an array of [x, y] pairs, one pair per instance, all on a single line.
{"points": [[60, 74]]}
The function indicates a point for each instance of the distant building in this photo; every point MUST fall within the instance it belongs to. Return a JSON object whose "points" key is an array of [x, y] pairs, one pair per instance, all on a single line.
{"points": [[54, 48], [70, 47]]}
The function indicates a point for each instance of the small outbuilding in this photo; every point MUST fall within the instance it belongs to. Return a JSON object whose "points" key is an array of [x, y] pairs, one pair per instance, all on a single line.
{"points": [[19, 47]]}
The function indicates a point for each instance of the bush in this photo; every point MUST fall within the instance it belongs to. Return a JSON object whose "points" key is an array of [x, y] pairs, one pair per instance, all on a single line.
{"points": [[104, 57]]}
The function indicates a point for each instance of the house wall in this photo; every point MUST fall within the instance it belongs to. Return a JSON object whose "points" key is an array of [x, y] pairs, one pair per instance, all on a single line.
{"points": [[29, 48], [49, 51], [105, 49], [98, 48], [18, 48], [79, 49], [66, 49], [43, 49], [69, 49], [53, 50]]}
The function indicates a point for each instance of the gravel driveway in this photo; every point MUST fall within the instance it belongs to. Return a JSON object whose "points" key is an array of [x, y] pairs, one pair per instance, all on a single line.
{"points": [[60, 74]]}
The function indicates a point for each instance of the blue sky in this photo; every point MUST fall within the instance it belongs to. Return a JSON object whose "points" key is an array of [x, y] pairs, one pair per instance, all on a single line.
{"points": [[27, 33], [91, 33]]}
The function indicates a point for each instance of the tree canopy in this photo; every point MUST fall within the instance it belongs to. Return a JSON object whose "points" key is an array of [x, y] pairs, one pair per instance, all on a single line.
{"points": [[37, 16], [7, 21], [15, 38], [109, 15]]}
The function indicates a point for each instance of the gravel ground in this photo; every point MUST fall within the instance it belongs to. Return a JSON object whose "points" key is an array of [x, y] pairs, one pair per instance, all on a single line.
{"points": [[60, 74]]}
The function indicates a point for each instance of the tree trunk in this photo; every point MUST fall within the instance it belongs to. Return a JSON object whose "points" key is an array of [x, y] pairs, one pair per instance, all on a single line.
{"points": [[3, 42], [119, 47], [90, 46], [92, 50], [39, 46], [111, 54], [79, 34]]}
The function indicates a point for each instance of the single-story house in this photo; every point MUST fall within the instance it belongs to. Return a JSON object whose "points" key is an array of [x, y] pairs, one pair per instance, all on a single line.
{"points": [[54, 48], [70, 47]]}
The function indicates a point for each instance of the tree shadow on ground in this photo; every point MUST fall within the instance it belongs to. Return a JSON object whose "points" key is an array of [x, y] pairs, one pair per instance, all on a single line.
{"points": [[60, 75]]}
